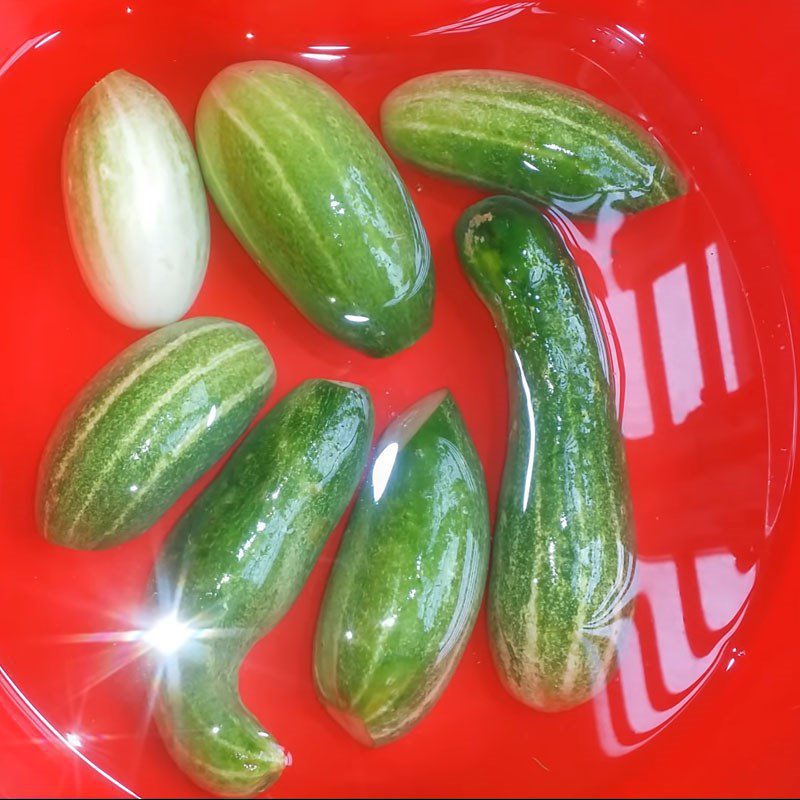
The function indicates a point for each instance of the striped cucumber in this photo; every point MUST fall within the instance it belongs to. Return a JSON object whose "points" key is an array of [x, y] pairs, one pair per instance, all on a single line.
{"points": [[563, 559], [531, 137], [408, 579], [146, 427], [233, 566], [313, 197], [135, 203]]}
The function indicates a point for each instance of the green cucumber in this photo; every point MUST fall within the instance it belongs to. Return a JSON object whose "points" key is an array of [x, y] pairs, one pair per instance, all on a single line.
{"points": [[313, 197], [146, 427], [531, 137], [234, 564], [408, 580], [561, 585]]}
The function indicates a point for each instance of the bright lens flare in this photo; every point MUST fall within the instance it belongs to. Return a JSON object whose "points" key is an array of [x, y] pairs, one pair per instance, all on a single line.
{"points": [[73, 740], [168, 635]]}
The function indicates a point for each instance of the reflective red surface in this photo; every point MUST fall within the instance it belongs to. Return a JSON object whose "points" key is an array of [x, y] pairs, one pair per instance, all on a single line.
{"points": [[697, 295]]}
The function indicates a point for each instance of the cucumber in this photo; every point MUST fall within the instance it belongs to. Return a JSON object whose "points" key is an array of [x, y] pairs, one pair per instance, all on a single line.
{"points": [[313, 197], [408, 580], [561, 584], [146, 427], [234, 564], [135, 203], [530, 137]]}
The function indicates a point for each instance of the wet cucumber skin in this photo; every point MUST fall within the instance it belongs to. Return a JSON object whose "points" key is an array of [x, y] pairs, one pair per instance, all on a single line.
{"points": [[531, 137], [407, 582], [313, 197], [563, 560], [234, 564], [134, 202], [146, 427]]}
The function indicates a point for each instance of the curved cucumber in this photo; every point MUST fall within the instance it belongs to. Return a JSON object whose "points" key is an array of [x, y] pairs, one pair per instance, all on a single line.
{"points": [[408, 579], [531, 137], [135, 203], [313, 197], [563, 559], [146, 427], [234, 564]]}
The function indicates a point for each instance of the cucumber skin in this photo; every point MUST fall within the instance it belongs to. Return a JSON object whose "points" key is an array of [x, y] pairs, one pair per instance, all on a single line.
{"points": [[135, 203], [124, 430], [236, 561], [419, 555], [492, 128], [313, 197], [561, 583]]}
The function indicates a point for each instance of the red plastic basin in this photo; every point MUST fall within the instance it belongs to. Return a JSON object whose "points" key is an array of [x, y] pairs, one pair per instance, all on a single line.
{"points": [[698, 297]]}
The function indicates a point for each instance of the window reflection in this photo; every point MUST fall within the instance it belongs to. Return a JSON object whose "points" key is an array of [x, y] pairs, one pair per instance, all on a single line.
{"points": [[721, 317], [678, 336], [678, 321], [662, 664]]}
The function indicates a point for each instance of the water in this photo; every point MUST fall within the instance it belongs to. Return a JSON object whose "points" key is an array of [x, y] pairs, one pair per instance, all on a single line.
{"points": [[701, 357]]}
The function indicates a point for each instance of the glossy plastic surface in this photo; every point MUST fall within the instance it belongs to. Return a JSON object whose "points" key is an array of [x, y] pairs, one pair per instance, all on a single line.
{"points": [[697, 294]]}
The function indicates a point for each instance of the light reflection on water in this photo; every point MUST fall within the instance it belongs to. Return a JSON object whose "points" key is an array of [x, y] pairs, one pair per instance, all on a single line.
{"points": [[682, 346]]}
